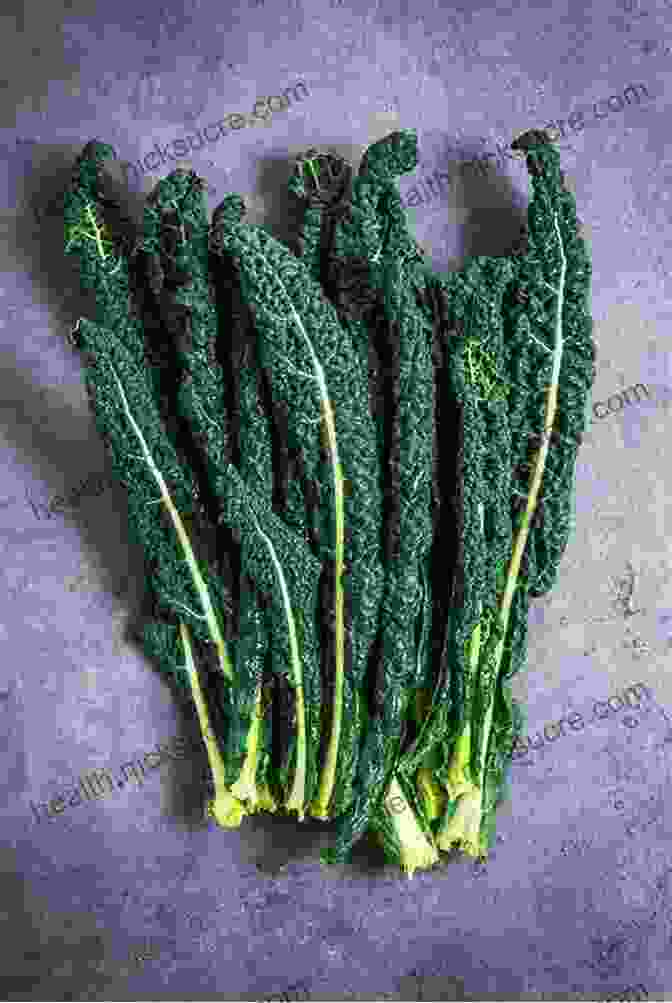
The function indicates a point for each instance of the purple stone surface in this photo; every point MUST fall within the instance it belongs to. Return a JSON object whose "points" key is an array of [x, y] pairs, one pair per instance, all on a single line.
{"points": [[117, 888]]}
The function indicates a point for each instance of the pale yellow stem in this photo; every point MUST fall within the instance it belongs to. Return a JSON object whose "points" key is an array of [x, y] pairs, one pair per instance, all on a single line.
{"points": [[201, 587], [296, 800], [536, 476], [226, 809], [320, 806]]}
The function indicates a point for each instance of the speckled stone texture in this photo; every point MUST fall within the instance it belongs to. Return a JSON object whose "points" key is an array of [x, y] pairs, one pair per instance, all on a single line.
{"points": [[129, 894]]}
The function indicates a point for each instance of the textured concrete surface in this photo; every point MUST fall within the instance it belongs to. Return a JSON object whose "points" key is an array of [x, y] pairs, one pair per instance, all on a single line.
{"points": [[128, 894]]}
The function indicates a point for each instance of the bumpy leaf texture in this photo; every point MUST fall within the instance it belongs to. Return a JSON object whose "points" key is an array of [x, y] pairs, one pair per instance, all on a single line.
{"points": [[385, 306], [531, 309], [181, 316], [192, 456], [313, 369], [341, 418], [166, 571], [531, 303], [477, 383]]}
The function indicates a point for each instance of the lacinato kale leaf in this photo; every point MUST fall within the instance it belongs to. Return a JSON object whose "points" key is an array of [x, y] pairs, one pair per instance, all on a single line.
{"points": [[554, 268], [146, 462], [552, 353], [312, 367], [175, 257], [397, 272]]}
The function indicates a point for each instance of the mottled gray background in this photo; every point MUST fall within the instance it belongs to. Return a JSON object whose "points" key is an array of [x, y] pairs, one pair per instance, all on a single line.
{"points": [[574, 902]]}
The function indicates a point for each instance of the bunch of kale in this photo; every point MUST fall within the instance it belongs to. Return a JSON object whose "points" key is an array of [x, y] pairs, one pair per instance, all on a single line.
{"points": [[338, 465]]}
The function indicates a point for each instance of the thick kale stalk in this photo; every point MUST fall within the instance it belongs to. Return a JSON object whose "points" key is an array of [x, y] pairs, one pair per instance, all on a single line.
{"points": [[297, 796], [300, 337], [225, 808], [402, 829]]}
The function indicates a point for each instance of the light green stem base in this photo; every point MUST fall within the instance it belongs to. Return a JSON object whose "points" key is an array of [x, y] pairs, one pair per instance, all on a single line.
{"points": [[226, 809]]}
